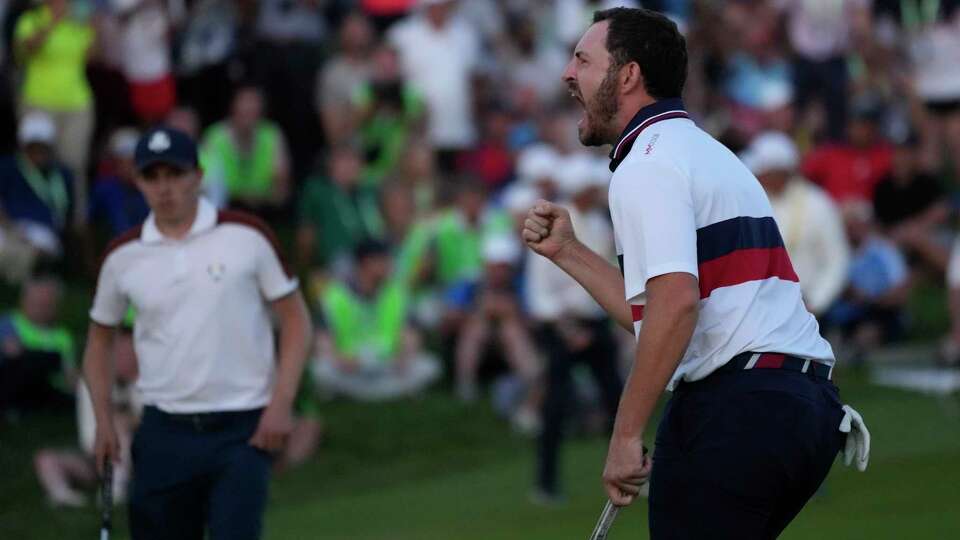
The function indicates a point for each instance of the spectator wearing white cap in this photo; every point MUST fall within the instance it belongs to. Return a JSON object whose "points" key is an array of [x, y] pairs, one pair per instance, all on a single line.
{"points": [[53, 43], [498, 319], [570, 327], [539, 164], [809, 221], [537, 167], [115, 201], [37, 192]]}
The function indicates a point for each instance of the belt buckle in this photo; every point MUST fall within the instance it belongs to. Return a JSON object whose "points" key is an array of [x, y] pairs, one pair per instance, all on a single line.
{"points": [[197, 422]]}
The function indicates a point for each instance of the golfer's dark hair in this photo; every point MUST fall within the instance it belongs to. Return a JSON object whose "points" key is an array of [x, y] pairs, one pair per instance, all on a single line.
{"points": [[652, 41]]}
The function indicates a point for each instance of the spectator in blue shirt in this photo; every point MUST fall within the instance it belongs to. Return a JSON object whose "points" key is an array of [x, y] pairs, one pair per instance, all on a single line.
{"points": [[36, 191], [116, 202], [870, 312]]}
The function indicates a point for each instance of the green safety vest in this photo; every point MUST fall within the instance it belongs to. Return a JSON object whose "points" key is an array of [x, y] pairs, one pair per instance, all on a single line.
{"points": [[460, 247], [384, 137], [50, 189], [359, 325], [244, 175], [412, 253], [52, 340]]}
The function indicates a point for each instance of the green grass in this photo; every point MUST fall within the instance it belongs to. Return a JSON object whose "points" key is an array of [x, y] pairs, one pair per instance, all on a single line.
{"points": [[434, 469]]}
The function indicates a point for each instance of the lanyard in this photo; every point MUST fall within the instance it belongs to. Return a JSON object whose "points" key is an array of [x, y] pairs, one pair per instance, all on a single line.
{"points": [[916, 15], [51, 191], [368, 223]]}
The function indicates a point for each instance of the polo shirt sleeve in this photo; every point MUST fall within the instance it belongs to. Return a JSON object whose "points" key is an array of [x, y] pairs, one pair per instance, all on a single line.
{"points": [[653, 215], [272, 276], [109, 302]]}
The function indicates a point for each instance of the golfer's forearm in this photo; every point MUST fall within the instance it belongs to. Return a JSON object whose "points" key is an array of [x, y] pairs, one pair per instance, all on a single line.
{"points": [[600, 278], [664, 337], [295, 332], [98, 371]]}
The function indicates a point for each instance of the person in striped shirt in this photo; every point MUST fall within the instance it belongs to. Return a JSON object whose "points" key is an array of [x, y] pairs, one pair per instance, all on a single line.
{"points": [[754, 422]]}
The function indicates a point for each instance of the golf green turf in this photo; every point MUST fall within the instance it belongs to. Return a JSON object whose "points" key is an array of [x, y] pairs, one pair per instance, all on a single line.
{"points": [[435, 469]]}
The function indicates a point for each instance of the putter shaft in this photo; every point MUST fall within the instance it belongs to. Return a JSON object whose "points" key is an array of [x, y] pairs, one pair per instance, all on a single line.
{"points": [[605, 522]]}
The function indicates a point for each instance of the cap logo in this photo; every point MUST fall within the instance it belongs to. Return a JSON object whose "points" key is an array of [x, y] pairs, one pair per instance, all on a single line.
{"points": [[159, 142]]}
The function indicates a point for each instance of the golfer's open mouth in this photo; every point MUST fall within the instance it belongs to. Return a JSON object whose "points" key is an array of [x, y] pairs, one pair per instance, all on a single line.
{"points": [[576, 95]]}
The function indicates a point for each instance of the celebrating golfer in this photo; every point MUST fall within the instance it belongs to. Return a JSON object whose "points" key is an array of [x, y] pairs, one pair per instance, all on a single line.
{"points": [[218, 404], [754, 422]]}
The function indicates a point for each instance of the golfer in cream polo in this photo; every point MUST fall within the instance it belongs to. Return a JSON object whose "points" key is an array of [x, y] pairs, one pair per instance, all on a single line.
{"points": [[217, 396]]}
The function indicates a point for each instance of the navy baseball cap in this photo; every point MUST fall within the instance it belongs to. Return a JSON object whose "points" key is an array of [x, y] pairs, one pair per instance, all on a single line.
{"points": [[168, 146]]}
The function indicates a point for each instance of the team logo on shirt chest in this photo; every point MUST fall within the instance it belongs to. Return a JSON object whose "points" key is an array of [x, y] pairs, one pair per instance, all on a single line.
{"points": [[216, 271]]}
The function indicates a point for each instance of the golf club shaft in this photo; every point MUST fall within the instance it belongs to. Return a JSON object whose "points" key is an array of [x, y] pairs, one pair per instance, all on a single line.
{"points": [[106, 501], [605, 522]]}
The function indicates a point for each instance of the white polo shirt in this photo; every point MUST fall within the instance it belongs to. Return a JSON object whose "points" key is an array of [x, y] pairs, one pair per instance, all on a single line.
{"points": [[681, 202], [203, 334]]}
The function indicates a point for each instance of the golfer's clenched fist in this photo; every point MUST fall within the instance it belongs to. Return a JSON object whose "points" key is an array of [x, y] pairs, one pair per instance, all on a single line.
{"points": [[548, 230]]}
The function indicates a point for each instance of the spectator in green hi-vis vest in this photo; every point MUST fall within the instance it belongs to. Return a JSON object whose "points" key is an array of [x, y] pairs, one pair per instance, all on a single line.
{"points": [[37, 357], [246, 157], [388, 111], [407, 235], [368, 350], [460, 232], [336, 213]]}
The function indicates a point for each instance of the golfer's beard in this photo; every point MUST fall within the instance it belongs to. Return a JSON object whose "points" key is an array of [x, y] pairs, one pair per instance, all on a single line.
{"points": [[600, 113]]}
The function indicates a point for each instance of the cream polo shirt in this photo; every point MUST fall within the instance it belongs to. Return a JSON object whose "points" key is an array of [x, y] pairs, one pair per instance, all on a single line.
{"points": [[203, 334]]}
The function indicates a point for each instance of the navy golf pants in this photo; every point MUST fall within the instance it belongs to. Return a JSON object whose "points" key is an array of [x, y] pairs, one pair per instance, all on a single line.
{"points": [[196, 474], [739, 453]]}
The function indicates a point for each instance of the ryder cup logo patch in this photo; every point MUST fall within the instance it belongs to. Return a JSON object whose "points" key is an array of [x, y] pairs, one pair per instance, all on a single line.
{"points": [[159, 142], [216, 271]]}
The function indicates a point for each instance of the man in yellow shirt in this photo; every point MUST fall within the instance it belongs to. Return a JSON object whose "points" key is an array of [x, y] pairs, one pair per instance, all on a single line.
{"points": [[52, 43]]}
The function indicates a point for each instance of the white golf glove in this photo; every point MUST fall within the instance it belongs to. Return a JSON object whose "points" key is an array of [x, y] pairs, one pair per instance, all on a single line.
{"points": [[857, 448]]}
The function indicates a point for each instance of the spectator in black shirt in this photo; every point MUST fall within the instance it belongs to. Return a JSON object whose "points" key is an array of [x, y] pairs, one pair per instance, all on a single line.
{"points": [[910, 206]]}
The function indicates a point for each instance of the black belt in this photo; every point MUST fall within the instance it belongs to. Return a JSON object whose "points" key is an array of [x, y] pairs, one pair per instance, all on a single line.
{"points": [[752, 360], [204, 421]]}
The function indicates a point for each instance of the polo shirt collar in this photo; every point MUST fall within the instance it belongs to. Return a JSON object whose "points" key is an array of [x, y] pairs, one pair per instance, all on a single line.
{"points": [[657, 111], [206, 220]]}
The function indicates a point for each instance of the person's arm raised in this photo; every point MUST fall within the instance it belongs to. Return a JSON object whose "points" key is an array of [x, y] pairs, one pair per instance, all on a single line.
{"points": [[549, 232]]}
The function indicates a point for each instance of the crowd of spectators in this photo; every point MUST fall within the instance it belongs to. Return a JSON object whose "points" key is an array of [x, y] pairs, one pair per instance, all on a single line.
{"points": [[395, 143]]}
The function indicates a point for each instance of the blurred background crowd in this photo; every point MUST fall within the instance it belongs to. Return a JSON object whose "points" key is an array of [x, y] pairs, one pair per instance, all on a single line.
{"points": [[395, 144]]}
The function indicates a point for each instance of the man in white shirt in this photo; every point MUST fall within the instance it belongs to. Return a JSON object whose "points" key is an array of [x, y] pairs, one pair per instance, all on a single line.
{"points": [[754, 422], [439, 54], [217, 403], [810, 223], [571, 328]]}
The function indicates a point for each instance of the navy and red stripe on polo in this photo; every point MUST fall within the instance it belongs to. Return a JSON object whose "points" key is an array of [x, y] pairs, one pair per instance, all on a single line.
{"points": [[736, 251]]}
